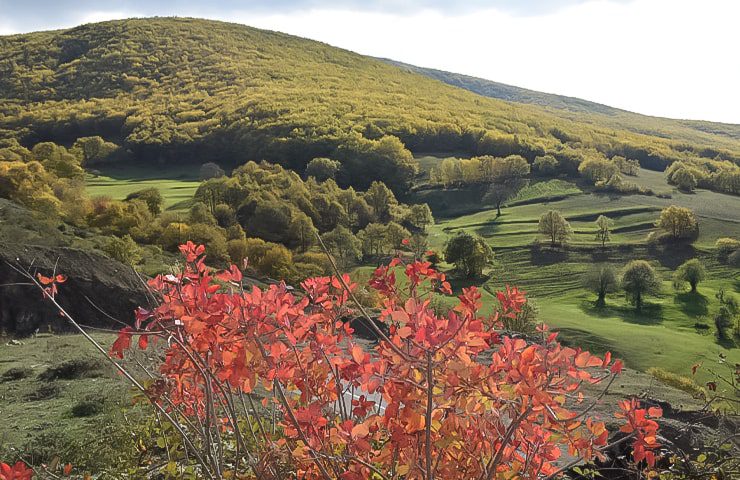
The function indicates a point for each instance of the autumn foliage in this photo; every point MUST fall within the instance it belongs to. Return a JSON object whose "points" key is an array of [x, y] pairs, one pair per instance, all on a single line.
{"points": [[438, 396]]}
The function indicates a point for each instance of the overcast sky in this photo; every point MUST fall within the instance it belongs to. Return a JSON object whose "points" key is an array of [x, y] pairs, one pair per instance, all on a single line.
{"points": [[672, 58]]}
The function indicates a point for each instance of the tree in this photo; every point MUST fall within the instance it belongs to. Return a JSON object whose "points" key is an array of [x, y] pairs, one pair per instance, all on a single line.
{"points": [[546, 165], [380, 198], [150, 196], [419, 217], [470, 254], [302, 232], [597, 169], [601, 279], [343, 246], [602, 233], [199, 213], [507, 177], [123, 249], [691, 272], [224, 215], [210, 170], [684, 179], [555, 226], [678, 222], [639, 279], [373, 238], [322, 169], [395, 234]]}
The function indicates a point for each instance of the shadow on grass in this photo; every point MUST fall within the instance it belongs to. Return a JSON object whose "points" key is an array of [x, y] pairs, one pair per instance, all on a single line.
{"points": [[672, 255], [727, 341], [693, 304], [651, 313], [575, 337], [547, 255], [458, 282]]}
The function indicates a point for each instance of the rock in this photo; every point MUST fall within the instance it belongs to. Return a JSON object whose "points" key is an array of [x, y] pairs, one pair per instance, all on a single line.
{"points": [[94, 283]]}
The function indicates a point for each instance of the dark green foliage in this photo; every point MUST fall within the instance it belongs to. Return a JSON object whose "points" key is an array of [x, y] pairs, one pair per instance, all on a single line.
{"points": [[15, 373], [601, 279], [123, 249], [691, 272], [73, 369], [322, 169], [90, 406], [210, 170], [151, 197], [470, 254], [638, 280], [45, 391]]}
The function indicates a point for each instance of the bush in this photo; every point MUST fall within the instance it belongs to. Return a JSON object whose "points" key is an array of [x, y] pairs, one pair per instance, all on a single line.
{"points": [[73, 369], [45, 391], [680, 382], [124, 249], [90, 406], [15, 373], [726, 246]]}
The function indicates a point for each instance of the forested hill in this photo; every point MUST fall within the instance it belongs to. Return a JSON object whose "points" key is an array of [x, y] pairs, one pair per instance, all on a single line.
{"points": [[176, 90], [622, 118]]}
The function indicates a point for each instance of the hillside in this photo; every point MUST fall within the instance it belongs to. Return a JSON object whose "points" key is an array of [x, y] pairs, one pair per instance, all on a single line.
{"points": [[576, 108], [177, 90]]}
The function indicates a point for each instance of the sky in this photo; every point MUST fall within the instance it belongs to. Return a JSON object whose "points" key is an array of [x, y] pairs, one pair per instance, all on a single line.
{"points": [[669, 58]]}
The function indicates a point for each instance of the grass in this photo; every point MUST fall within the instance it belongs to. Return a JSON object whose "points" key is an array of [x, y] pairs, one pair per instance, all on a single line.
{"points": [[67, 403], [665, 333], [176, 183]]}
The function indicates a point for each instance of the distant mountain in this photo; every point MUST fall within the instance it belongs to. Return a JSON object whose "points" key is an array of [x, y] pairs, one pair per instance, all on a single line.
{"points": [[489, 88], [190, 90]]}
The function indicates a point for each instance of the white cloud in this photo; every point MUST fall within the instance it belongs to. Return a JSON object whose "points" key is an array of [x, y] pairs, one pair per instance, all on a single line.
{"points": [[673, 58]]}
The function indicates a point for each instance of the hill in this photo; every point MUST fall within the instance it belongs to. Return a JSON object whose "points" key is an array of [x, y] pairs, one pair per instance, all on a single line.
{"points": [[188, 90], [571, 105]]}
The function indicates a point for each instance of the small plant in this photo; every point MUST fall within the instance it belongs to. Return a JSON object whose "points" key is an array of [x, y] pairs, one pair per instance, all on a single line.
{"points": [[45, 391], [15, 373], [90, 406], [73, 369]]}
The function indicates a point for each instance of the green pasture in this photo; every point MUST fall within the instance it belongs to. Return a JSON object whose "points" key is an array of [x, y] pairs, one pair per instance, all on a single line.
{"points": [[176, 183]]}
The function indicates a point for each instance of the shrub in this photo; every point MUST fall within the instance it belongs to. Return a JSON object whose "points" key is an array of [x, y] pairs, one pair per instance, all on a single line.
{"points": [[45, 391], [469, 252], [125, 250], [726, 246], [441, 377], [691, 272], [15, 373], [90, 406], [680, 382], [73, 369], [639, 279]]}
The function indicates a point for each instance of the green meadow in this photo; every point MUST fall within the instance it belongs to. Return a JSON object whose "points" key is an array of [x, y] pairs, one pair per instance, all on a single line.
{"points": [[675, 329], [176, 183]]}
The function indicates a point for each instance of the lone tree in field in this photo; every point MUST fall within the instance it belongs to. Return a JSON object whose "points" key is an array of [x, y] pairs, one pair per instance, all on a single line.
{"points": [[602, 233], [507, 177], [639, 279], [470, 254], [602, 279], [211, 170], [555, 226], [691, 272], [678, 222]]}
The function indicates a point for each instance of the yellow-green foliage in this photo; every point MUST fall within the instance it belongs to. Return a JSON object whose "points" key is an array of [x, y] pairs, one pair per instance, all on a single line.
{"points": [[184, 89], [680, 382]]}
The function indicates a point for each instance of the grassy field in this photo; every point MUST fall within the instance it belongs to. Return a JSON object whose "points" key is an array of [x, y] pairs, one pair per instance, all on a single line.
{"points": [[62, 400], [665, 334], [176, 183]]}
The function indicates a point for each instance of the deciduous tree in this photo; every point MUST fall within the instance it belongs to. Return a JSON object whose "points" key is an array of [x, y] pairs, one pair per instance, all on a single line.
{"points": [[555, 226], [638, 280], [469, 252]]}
